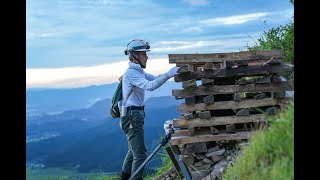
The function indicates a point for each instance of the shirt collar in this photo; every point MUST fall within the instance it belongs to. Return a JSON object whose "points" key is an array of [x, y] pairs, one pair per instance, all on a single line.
{"points": [[134, 66]]}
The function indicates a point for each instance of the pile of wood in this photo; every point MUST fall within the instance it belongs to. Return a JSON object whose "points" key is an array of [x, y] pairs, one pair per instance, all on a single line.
{"points": [[227, 97]]}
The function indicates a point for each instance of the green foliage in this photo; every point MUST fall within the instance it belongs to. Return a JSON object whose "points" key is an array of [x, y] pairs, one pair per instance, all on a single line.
{"points": [[281, 37], [271, 152], [166, 165]]}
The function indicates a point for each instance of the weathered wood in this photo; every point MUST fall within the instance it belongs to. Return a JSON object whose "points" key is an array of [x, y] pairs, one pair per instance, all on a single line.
{"points": [[189, 83], [231, 128], [275, 78], [242, 63], [263, 80], [243, 112], [229, 89], [245, 103], [209, 137], [162, 176], [229, 64], [190, 100], [243, 81], [205, 115], [214, 130], [222, 120], [183, 69], [260, 96], [208, 99], [278, 94], [274, 61], [208, 66], [188, 116], [191, 130], [271, 110], [207, 81], [176, 167], [236, 96], [255, 70], [230, 56]]}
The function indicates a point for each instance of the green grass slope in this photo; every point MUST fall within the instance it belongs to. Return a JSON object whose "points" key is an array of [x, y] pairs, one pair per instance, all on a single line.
{"points": [[271, 152]]}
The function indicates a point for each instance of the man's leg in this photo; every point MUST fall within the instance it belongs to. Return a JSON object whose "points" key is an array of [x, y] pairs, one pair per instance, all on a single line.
{"points": [[127, 163], [136, 141]]}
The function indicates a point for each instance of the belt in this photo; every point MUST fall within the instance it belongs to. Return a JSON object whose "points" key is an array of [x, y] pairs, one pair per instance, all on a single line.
{"points": [[135, 108]]}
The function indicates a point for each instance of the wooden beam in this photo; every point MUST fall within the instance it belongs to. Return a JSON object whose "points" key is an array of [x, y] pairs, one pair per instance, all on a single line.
{"points": [[229, 89], [230, 56], [215, 121], [244, 103], [254, 70], [209, 137]]}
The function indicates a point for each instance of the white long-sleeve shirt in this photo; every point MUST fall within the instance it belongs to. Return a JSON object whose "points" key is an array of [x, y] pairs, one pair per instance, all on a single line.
{"points": [[136, 76]]}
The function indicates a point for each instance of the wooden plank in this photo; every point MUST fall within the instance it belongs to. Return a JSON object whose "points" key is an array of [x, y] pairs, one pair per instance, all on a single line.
{"points": [[209, 137], [172, 170], [244, 103], [230, 56], [255, 70], [215, 121], [176, 167], [229, 89]]}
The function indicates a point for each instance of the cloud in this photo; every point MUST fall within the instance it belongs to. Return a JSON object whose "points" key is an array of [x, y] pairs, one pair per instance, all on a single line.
{"points": [[238, 19], [196, 2], [85, 76], [201, 46], [192, 29]]}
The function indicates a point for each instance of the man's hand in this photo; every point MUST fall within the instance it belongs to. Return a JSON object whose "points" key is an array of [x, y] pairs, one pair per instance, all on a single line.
{"points": [[172, 72]]}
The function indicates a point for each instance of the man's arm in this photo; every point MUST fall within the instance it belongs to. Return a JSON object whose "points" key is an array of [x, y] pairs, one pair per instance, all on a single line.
{"points": [[138, 79], [151, 77]]}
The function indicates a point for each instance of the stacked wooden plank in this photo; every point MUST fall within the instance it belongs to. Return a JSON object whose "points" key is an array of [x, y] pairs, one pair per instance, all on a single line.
{"points": [[227, 94]]}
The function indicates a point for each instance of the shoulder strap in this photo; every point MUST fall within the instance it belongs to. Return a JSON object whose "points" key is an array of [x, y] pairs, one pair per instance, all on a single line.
{"points": [[130, 93]]}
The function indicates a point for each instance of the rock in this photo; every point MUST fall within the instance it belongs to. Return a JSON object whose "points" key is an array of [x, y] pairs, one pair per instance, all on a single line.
{"points": [[187, 159], [208, 99], [215, 153], [222, 163], [205, 115], [243, 112], [216, 148], [198, 175], [207, 161], [199, 156], [231, 128], [198, 147], [203, 167], [189, 83], [217, 158], [198, 164]]}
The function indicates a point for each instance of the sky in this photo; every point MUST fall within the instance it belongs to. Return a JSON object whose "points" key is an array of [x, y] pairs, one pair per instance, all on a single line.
{"points": [[77, 43]]}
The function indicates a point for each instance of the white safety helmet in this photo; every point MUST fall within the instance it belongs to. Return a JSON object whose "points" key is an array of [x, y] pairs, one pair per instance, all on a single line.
{"points": [[137, 45]]}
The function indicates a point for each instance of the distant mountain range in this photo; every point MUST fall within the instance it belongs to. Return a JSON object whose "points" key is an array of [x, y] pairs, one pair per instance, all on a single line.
{"points": [[55, 101], [89, 138]]}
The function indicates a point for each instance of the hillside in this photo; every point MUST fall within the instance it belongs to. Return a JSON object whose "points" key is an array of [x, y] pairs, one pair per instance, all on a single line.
{"points": [[91, 145]]}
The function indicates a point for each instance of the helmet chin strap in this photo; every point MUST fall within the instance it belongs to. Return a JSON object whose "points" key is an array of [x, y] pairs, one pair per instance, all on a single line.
{"points": [[137, 59]]}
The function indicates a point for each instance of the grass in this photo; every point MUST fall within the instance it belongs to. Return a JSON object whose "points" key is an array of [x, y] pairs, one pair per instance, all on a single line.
{"points": [[271, 152], [64, 174], [166, 165]]}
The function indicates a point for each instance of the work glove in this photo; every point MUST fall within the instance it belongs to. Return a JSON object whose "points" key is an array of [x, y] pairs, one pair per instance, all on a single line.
{"points": [[172, 72]]}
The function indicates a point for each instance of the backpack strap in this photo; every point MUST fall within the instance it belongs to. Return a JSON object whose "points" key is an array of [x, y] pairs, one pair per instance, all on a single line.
{"points": [[130, 93]]}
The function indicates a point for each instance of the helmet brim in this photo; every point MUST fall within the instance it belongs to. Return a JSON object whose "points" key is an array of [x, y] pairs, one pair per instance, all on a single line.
{"points": [[147, 50]]}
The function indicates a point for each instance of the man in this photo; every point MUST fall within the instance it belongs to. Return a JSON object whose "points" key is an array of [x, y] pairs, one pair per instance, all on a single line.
{"points": [[134, 83]]}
